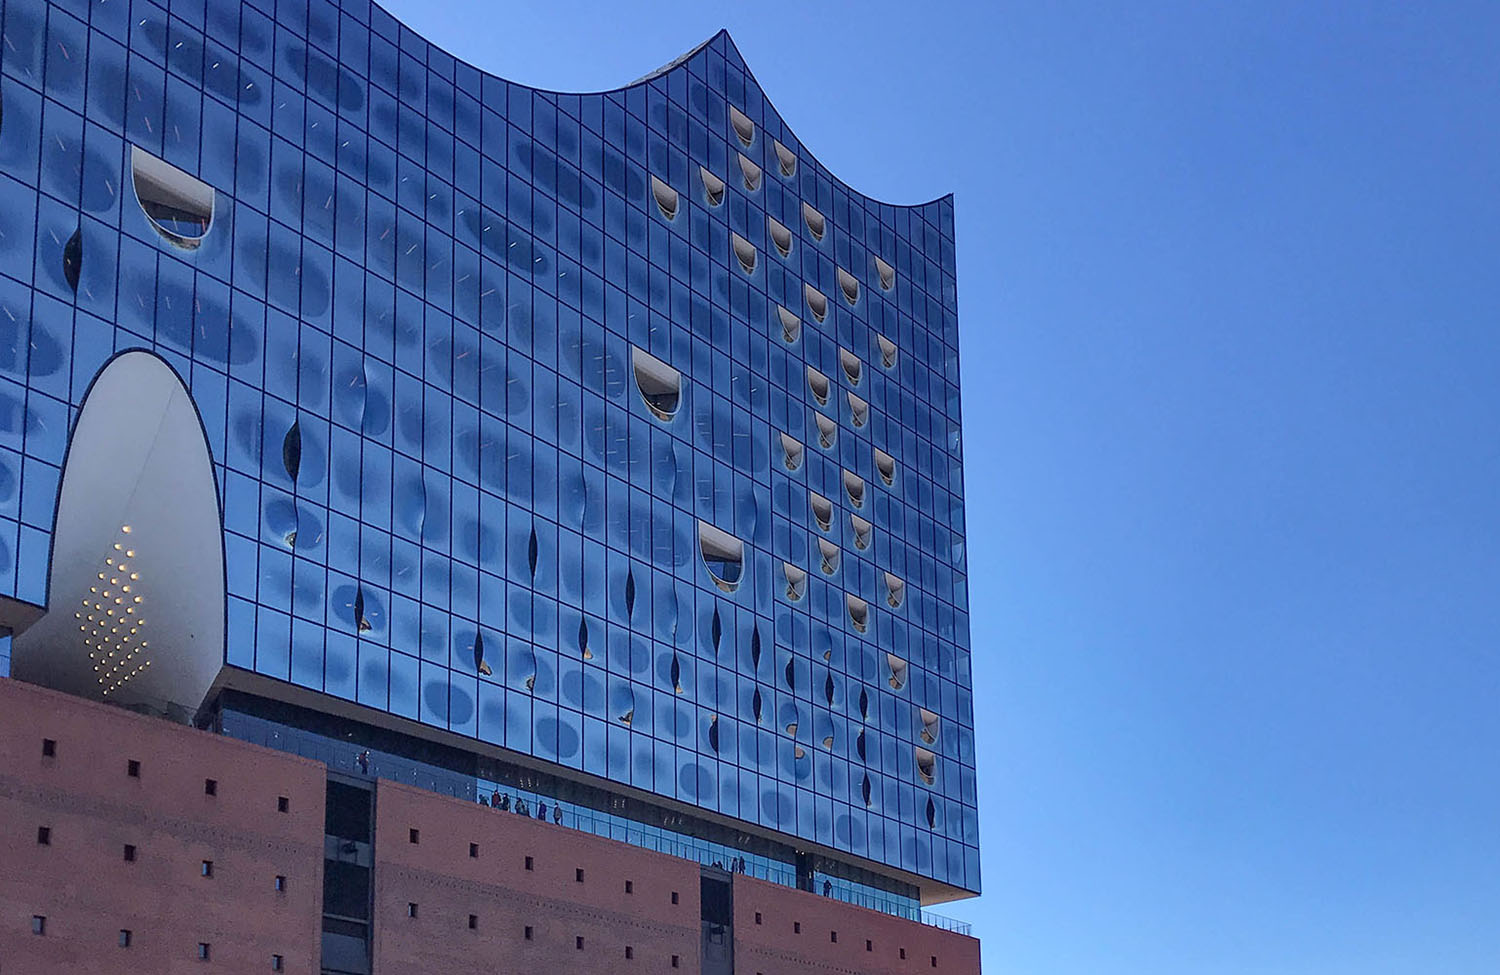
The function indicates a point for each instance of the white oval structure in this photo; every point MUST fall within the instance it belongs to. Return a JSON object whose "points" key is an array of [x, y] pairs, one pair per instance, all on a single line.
{"points": [[137, 594]]}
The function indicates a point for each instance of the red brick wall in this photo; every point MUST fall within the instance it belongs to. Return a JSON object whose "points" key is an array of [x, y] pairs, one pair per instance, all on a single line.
{"points": [[776, 947], [87, 892], [81, 882], [447, 884]]}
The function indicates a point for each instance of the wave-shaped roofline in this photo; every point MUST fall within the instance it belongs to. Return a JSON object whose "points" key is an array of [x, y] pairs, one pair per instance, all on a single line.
{"points": [[676, 64]]}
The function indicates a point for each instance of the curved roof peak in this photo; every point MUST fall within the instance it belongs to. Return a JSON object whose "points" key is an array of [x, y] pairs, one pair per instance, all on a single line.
{"points": [[750, 100]]}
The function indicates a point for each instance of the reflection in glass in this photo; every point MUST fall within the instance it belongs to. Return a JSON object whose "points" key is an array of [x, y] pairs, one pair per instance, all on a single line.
{"points": [[887, 274]]}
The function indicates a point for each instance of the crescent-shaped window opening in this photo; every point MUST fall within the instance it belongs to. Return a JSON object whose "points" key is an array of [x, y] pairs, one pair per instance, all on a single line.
{"points": [[791, 325], [743, 127], [829, 554], [780, 236], [713, 187], [886, 465], [897, 666], [791, 453], [854, 485], [863, 532], [723, 556], [828, 431], [853, 368], [796, 581], [895, 590], [849, 285], [786, 158], [817, 302], [180, 206], [817, 384], [659, 384], [816, 225], [931, 725], [744, 251], [887, 274], [751, 172], [859, 411], [822, 510], [887, 351], [859, 613], [926, 765], [666, 198]]}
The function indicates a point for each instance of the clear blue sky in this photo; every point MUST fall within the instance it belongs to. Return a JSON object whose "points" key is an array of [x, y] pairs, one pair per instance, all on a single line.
{"points": [[1229, 293]]}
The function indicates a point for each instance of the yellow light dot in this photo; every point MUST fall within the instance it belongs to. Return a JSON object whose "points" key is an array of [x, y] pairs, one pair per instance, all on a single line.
{"points": [[135, 575], [125, 529], [130, 553]]}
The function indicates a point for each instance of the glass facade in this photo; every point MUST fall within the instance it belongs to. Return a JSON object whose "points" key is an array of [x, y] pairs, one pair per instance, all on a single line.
{"points": [[608, 429]]}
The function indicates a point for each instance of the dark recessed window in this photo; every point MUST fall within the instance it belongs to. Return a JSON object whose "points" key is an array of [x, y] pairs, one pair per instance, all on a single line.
{"points": [[934, 961], [578, 875], [833, 936], [474, 850], [411, 909], [207, 869], [278, 964], [530, 864], [527, 933], [210, 787], [578, 942], [133, 769], [203, 951], [629, 952], [757, 917], [414, 835], [124, 941], [629, 886], [675, 961], [674, 897], [869, 945], [903, 954], [796, 927], [49, 748], [473, 921], [44, 835], [280, 884], [38, 924], [283, 804], [129, 853]]}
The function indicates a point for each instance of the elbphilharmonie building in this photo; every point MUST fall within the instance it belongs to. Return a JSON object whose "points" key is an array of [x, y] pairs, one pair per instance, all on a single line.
{"points": [[599, 454]]}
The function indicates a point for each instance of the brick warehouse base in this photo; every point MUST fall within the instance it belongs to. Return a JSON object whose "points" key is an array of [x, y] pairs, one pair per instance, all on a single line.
{"points": [[226, 850]]}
